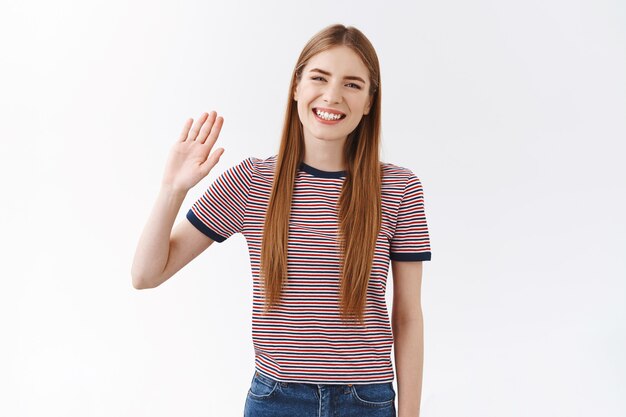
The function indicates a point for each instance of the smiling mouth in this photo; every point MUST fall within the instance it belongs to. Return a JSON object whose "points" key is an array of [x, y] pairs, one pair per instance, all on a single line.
{"points": [[327, 116]]}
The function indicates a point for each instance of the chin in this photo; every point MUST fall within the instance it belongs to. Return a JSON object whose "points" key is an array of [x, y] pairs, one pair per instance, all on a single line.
{"points": [[330, 138]]}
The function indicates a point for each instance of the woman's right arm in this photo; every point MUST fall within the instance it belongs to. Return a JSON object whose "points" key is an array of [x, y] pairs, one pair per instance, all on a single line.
{"points": [[160, 251]]}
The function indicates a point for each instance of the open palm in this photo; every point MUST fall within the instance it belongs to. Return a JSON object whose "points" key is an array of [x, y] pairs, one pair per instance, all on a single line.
{"points": [[190, 158]]}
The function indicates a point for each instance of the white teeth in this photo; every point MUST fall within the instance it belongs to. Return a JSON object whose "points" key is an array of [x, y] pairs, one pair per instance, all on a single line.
{"points": [[328, 116]]}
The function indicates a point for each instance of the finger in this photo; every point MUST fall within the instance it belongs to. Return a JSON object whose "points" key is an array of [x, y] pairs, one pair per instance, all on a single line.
{"points": [[196, 127], [215, 131], [185, 132], [206, 127]]}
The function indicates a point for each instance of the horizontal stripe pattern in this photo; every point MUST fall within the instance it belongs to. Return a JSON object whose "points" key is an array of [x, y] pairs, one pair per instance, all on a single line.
{"points": [[410, 240], [304, 339], [220, 211]]}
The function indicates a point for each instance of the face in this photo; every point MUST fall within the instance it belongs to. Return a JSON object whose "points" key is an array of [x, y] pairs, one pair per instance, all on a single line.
{"points": [[335, 81]]}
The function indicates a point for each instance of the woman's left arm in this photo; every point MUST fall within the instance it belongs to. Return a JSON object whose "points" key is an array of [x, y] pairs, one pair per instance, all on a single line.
{"points": [[408, 333]]}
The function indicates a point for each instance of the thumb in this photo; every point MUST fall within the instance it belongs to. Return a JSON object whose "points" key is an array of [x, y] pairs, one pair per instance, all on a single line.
{"points": [[211, 161]]}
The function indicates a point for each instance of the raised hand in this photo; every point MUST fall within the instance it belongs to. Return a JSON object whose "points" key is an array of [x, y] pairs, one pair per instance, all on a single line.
{"points": [[190, 159]]}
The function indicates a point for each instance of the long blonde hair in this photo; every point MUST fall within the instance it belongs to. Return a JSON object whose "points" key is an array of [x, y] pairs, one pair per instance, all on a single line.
{"points": [[359, 213]]}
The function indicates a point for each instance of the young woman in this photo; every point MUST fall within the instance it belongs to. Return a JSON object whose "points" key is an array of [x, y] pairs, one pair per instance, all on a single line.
{"points": [[322, 218]]}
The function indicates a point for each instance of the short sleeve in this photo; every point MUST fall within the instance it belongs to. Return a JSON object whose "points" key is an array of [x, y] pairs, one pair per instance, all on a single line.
{"points": [[411, 241], [219, 212]]}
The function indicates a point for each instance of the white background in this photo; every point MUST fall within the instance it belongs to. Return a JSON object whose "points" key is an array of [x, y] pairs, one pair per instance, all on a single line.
{"points": [[512, 114]]}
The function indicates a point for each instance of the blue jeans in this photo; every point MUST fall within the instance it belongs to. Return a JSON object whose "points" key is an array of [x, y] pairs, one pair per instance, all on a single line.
{"points": [[270, 398]]}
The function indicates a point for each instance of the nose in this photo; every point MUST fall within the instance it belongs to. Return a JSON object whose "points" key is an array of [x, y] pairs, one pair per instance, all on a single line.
{"points": [[332, 93]]}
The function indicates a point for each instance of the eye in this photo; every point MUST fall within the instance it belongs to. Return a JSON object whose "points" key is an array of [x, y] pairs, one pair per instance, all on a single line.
{"points": [[356, 86]]}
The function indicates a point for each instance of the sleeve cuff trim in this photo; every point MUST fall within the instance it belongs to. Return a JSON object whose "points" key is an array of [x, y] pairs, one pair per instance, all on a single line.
{"points": [[191, 216], [415, 256]]}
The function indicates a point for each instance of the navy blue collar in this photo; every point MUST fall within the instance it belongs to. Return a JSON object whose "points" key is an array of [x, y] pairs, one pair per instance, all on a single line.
{"points": [[319, 173]]}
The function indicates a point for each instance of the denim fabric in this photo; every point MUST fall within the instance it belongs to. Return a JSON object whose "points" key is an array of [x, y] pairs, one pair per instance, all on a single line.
{"points": [[270, 398]]}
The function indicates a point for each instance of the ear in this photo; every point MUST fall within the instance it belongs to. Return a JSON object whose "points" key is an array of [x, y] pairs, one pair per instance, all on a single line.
{"points": [[295, 92]]}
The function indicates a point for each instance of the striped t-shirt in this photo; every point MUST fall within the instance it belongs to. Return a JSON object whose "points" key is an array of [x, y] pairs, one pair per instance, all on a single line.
{"points": [[304, 339]]}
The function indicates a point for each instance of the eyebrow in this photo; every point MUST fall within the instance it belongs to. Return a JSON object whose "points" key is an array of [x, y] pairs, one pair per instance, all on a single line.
{"points": [[348, 77]]}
